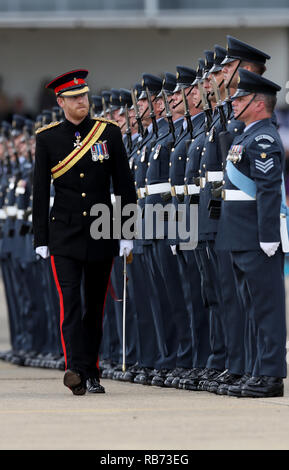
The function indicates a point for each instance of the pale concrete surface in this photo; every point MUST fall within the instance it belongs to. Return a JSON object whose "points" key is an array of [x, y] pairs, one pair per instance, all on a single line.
{"points": [[37, 412]]}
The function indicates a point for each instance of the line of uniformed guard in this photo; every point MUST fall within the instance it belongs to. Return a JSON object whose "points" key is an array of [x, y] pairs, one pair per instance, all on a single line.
{"points": [[197, 319]]}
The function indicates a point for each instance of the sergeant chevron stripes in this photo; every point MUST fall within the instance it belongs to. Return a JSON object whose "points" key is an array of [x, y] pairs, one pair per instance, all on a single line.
{"points": [[264, 166]]}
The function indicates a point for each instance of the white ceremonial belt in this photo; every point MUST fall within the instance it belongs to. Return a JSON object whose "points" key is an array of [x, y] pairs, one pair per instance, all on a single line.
{"points": [[11, 211], [178, 189], [214, 176], [235, 195], [3, 215], [202, 182], [191, 189], [112, 198], [141, 193], [157, 188], [20, 214]]}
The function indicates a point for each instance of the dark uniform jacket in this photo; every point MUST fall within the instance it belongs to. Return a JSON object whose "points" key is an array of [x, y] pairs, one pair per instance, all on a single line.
{"points": [[66, 228], [244, 224]]}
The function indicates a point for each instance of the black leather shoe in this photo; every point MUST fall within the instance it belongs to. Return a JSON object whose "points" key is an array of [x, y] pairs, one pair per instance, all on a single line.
{"points": [[93, 386], [74, 382], [173, 378], [117, 373], [235, 390], [190, 381], [144, 376], [220, 384], [212, 385], [113, 372], [130, 373], [106, 368], [208, 376], [225, 382], [263, 387], [160, 377], [176, 383]]}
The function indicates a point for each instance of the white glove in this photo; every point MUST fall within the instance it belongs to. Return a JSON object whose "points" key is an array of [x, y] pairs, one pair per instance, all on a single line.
{"points": [[42, 251], [174, 249], [269, 248], [125, 247]]}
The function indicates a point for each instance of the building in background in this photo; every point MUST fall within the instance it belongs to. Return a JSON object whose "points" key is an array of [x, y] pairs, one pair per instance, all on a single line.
{"points": [[118, 40]]}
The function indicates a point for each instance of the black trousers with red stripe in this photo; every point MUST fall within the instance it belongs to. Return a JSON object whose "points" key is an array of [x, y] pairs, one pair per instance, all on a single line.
{"points": [[82, 288]]}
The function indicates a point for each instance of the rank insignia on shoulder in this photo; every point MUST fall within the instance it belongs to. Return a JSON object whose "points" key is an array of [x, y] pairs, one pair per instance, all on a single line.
{"points": [[264, 167], [48, 126], [264, 145], [263, 155], [99, 151], [265, 137], [110, 121]]}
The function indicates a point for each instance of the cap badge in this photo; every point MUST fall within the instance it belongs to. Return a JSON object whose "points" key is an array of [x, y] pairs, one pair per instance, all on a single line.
{"points": [[75, 81]]}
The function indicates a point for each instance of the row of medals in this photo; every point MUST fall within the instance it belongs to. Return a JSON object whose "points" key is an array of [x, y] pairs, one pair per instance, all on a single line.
{"points": [[95, 156]]}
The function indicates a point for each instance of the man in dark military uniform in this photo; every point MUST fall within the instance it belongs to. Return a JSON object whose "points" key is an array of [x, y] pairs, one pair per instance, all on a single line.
{"points": [[249, 228], [155, 127], [239, 339], [81, 155], [183, 99], [175, 332]]}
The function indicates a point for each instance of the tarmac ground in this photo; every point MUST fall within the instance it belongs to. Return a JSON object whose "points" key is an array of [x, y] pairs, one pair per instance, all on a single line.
{"points": [[38, 413]]}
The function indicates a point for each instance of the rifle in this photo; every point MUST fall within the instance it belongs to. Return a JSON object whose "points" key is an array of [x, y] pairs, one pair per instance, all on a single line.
{"points": [[18, 173], [128, 129], [169, 115], [206, 107], [14, 150], [27, 140], [225, 138], [229, 103], [219, 102], [104, 109], [187, 113], [152, 113], [6, 158], [141, 130]]}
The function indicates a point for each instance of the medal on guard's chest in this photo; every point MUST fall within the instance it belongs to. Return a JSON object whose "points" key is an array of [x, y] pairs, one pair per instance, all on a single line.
{"points": [[235, 153], [99, 151], [77, 143]]}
